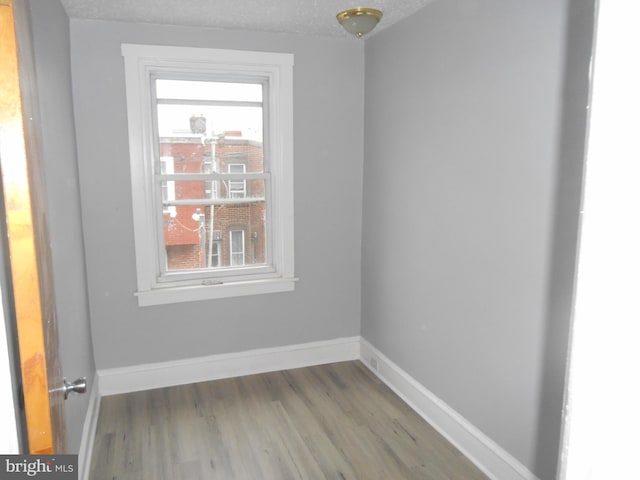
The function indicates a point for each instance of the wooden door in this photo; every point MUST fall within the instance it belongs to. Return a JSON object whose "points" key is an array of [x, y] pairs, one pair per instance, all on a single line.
{"points": [[26, 219]]}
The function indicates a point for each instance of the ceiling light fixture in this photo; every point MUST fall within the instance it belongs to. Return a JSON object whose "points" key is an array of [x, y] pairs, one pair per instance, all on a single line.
{"points": [[359, 21]]}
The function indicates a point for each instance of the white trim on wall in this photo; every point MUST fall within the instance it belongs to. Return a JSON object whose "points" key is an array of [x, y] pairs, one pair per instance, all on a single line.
{"points": [[488, 456], [213, 367], [89, 431]]}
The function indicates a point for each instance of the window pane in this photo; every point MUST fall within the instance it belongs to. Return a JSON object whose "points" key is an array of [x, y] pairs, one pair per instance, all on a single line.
{"points": [[237, 188], [209, 123], [230, 232], [228, 228], [237, 247], [201, 90], [214, 255]]}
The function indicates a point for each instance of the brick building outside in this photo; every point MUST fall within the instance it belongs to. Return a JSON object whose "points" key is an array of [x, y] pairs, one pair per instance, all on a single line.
{"points": [[228, 229]]}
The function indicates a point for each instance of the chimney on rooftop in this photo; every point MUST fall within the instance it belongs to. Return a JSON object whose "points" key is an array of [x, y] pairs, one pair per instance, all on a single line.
{"points": [[198, 124]]}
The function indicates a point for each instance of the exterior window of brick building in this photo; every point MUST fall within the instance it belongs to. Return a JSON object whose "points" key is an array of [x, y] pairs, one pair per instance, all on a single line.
{"points": [[201, 236]]}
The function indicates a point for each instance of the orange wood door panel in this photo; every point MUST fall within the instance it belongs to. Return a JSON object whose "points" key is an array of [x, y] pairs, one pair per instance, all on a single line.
{"points": [[28, 242]]}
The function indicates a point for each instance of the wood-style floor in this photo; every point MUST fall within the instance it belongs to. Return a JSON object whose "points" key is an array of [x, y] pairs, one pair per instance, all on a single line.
{"points": [[334, 421]]}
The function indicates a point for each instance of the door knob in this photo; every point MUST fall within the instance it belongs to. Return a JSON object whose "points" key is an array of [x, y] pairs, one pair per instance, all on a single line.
{"points": [[77, 386]]}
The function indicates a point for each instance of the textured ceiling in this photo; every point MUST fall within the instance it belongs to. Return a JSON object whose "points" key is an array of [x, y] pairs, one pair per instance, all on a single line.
{"points": [[307, 17]]}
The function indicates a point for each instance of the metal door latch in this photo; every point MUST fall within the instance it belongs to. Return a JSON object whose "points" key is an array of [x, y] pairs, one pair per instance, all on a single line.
{"points": [[78, 386]]}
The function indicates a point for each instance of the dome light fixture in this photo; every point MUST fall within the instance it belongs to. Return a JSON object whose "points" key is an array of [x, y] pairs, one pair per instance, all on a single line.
{"points": [[360, 20]]}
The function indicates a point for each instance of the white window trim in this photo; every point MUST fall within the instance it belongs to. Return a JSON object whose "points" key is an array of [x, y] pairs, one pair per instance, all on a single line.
{"points": [[141, 61]]}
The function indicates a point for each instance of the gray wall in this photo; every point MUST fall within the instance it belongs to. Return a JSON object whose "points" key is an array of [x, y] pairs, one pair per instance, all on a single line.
{"points": [[328, 111], [462, 227], [50, 30], [568, 193]]}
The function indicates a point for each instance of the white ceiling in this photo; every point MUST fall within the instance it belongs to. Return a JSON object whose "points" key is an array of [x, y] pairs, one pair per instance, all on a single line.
{"points": [[308, 17]]}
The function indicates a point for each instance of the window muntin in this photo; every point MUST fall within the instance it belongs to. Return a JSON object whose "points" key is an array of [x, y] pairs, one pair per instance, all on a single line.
{"points": [[267, 80]]}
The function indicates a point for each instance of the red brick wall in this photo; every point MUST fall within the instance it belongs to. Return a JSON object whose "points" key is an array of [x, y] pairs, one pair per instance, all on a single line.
{"points": [[183, 257], [187, 158], [181, 232]]}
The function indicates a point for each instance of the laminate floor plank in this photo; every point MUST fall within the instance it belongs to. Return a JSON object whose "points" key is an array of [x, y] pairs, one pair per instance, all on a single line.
{"points": [[328, 422], [289, 433], [230, 424], [331, 461]]}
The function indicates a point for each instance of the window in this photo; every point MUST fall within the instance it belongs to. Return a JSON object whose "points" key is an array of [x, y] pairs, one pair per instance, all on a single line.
{"points": [[211, 148], [168, 188], [236, 246], [237, 188], [214, 259]]}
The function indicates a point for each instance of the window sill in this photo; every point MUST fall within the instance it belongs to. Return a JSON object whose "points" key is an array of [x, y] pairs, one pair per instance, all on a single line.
{"points": [[193, 293]]}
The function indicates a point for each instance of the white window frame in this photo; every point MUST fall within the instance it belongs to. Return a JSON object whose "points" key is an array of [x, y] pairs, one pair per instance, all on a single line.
{"points": [[142, 63]]}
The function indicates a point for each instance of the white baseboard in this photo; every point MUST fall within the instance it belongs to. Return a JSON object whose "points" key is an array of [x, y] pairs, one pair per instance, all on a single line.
{"points": [[488, 456], [89, 431], [179, 372], [492, 459]]}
